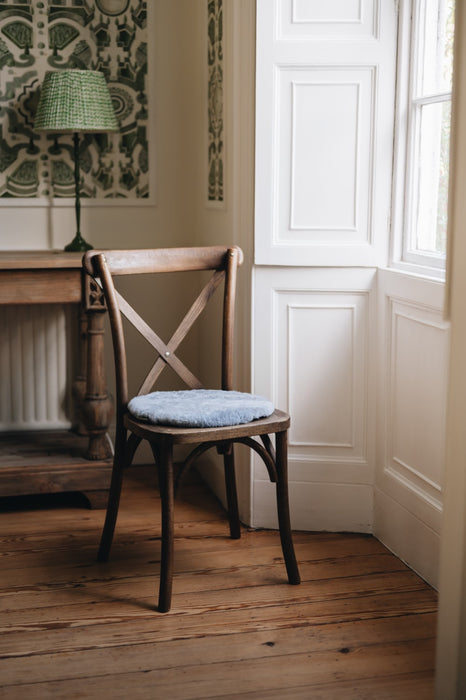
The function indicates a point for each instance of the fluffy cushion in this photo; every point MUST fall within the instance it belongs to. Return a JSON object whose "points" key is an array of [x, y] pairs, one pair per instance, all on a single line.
{"points": [[199, 408]]}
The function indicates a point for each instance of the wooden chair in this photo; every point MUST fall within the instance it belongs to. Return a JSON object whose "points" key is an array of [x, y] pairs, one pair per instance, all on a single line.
{"points": [[223, 262]]}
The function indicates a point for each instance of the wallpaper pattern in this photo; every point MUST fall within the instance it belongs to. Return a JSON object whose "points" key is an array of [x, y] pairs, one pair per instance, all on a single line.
{"points": [[215, 100], [105, 35]]}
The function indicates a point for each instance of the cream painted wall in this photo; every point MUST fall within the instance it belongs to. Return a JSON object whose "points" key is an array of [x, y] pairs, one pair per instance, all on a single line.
{"points": [[451, 637], [229, 222]]}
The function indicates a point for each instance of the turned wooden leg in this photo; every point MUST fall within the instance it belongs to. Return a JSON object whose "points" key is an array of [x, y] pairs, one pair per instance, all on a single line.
{"points": [[97, 405], [79, 384], [284, 509]]}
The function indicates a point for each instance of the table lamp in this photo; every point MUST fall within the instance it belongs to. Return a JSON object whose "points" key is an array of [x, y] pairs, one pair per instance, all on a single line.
{"points": [[75, 101]]}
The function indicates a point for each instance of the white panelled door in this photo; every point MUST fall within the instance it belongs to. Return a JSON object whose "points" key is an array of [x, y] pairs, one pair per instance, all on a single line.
{"points": [[324, 133], [357, 353]]}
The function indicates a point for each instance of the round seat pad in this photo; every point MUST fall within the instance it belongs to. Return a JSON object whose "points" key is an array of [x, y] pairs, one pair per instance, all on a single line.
{"points": [[199, 408]]}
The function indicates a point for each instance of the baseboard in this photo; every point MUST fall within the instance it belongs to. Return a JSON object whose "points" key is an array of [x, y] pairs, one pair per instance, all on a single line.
{"points": [[317, 506], [407, 536]]}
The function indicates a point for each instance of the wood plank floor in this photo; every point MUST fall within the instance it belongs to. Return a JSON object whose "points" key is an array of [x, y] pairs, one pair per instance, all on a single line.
{"points": [[360, 626]]}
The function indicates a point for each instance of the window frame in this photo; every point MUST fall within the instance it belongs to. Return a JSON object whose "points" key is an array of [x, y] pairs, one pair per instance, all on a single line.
{"points": [[407, 114]]}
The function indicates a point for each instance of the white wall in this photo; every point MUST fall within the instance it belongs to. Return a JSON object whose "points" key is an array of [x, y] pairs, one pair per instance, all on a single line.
{"points": [[412, 358]]}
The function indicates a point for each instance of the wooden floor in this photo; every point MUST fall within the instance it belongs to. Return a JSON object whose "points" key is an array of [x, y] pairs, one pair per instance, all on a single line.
{"points": [[360, 626]]}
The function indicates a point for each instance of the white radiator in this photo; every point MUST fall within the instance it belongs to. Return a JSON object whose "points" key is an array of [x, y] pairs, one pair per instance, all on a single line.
{"points": [[35, 366]]}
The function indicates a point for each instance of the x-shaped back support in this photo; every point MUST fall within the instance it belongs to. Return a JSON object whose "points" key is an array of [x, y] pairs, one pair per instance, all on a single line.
{"points": [[166, 351]]}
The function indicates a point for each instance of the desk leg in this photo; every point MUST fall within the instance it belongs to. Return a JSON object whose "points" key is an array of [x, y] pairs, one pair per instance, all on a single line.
{"points": [[97, 405], [80, 383]]}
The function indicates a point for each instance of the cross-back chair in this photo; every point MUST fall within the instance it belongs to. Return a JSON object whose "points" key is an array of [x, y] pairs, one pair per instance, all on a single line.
{"points": [[212, 418]]}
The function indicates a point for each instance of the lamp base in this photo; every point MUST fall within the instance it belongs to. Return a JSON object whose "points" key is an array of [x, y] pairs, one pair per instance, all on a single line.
{"points": [[78, 245]]}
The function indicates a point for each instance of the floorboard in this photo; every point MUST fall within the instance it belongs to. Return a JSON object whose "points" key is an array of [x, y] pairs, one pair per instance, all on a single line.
{"points": [[361, 625]]}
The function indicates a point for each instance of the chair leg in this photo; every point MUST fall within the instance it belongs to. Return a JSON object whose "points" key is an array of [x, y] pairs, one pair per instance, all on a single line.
{"points": [[124, 453], [232, 496], [164, 460], [112, 507], [284, 508]]}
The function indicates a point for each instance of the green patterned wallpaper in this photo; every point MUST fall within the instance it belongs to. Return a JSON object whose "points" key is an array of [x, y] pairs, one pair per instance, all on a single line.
{"points": [[105, 35], [215, 106]]}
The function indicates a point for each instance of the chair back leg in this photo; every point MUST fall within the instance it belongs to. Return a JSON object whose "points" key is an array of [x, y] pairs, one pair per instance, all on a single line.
{"points": [[232, 496], [113, 504], [281, 443], [163, 456], [111, 515], [124, 453]]}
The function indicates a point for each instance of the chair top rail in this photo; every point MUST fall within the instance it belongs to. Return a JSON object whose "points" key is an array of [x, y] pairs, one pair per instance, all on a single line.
{"points": [[121, 262]]}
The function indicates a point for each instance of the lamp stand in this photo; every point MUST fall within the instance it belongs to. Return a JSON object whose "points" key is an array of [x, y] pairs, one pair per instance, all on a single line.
{"points": [[78, 244]]}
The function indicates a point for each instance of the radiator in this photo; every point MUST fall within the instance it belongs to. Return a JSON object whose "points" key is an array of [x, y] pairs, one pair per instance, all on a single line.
{"points": [[36, 366]]}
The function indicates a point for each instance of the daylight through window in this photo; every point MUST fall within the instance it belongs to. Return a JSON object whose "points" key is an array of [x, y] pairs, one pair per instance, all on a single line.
{"points": [[427, 111]]}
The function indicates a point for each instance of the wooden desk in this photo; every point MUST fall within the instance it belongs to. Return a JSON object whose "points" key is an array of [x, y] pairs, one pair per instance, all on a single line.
{"points": [[41, 462]]}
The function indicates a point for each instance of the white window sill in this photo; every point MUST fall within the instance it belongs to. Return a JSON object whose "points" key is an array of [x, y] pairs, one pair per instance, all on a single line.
{"points": [[434, 274]]}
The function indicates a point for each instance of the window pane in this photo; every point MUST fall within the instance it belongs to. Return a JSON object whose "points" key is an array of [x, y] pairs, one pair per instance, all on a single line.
{"points": [[436, 46], [432, 178]]}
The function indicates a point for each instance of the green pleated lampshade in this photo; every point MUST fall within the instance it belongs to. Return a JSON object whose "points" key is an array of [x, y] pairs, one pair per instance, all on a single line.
{"points": [[75, 100]]}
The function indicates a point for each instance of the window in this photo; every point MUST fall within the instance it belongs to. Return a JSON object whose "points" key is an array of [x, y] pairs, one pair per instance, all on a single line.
{"points": [[423, 133]]}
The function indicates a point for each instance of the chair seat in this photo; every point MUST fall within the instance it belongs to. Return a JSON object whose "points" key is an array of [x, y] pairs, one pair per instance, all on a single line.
{"points": [[199, 408], [190, 436]]}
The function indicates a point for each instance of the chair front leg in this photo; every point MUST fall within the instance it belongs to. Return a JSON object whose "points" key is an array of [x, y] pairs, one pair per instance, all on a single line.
{"points": [[281, 443], [163, 456]]}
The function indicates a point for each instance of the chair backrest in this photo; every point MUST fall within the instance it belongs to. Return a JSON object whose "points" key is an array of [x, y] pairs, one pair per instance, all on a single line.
{"points": [[221, 260]]}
